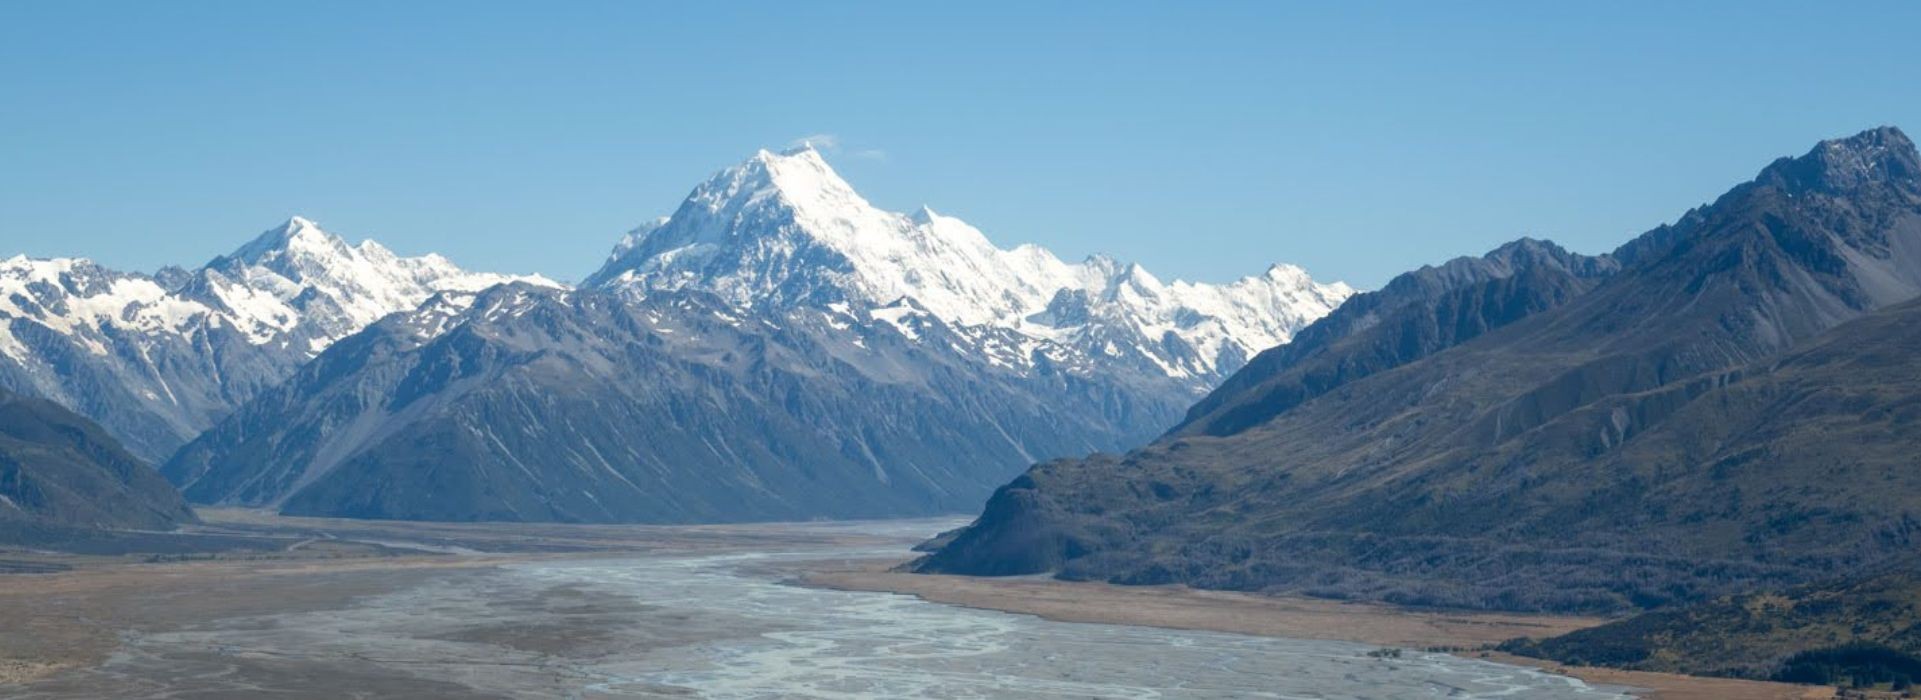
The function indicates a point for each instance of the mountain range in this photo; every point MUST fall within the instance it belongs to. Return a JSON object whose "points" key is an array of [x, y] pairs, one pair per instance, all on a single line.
{"points": [[1532, 428], [157, 359], [1714, 425], [778, 347], [784, 231], [1720, 404]]}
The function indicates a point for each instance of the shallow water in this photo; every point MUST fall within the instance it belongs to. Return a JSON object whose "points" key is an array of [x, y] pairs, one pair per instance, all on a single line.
{"points": [[837, 644], [723, 625]]}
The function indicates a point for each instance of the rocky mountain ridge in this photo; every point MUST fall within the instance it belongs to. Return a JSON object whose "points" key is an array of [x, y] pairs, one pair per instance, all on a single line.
{"points": [[158, 358], [1549, 440], [783, 230], [777, 348]]}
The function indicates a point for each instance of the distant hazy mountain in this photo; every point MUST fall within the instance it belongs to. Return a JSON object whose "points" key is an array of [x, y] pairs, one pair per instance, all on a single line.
{"points": [[778, 348], [59, 471], [1544, 430], [157, 359]]}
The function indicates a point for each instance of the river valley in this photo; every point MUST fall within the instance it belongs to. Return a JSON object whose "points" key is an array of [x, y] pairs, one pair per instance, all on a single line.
{"points": [[705, 612]]}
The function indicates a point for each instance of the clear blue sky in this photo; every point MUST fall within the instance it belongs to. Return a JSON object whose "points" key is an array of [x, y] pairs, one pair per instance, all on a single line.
{"points": [[1356, 139]]}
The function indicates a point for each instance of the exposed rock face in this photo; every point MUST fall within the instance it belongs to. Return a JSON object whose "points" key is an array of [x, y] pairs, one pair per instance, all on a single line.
{"points": [[60, 472], [1578, 433]]}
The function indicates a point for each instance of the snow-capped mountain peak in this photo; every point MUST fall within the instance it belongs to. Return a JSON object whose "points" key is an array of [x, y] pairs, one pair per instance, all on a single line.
{"points": [[634, 236], [79, 299], [804, 178], [299, 280], [158, 357], [294, 285], [785, 230], [298, 236]]}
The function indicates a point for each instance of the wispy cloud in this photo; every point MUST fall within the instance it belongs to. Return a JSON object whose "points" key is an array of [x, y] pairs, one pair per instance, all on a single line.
{"points": [[832, 144], [824, 142]]}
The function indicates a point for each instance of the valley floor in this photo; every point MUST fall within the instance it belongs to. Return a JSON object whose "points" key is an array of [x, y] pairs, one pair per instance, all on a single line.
{"points": [[1294, 617], [251, 604], [64, 615]]}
